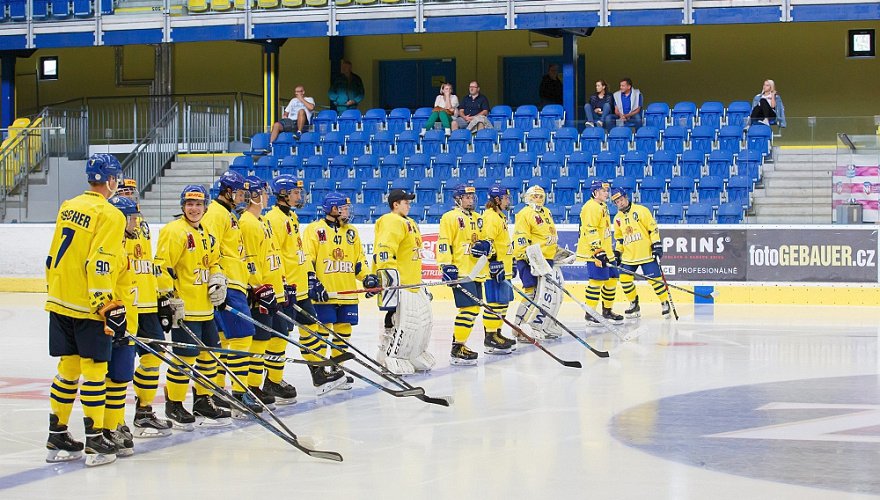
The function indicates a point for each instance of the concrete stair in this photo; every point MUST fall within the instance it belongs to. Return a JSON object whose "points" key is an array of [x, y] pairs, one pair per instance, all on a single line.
{"points": [[161, 202], [796, 188]]}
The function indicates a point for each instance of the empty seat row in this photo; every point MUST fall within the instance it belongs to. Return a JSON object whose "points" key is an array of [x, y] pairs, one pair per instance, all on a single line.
{"points": [[16, 10]]}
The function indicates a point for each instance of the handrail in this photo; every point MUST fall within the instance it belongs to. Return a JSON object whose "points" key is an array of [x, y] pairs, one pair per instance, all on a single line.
{"points": [[154, 151], [19, 155]]}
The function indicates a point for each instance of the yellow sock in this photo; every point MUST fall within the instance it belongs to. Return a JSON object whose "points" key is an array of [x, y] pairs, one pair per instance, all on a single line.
{"points": [[275, 369], [255, 372], [146, 379], [239, 365], [308, 340], [114, 408], [64, 387], [176, 383], [93, 392], [464, 322]]}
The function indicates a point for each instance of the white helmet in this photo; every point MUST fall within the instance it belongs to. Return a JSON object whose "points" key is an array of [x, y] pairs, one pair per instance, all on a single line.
{"points": [[535, 196]]}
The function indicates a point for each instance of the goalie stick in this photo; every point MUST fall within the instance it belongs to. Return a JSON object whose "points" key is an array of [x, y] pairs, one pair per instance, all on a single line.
{"points": [[270, 357]]}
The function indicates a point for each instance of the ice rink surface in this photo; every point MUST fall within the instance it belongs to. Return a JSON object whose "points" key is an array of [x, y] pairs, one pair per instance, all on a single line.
{"points": [[730, 402]]}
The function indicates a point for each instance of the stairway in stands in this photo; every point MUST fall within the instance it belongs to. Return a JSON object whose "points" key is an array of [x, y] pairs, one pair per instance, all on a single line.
{"points": [[161, 202], [797, 188]]}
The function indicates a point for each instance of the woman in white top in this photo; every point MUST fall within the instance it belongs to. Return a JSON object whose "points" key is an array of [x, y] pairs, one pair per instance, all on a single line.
{"points": [[445, 109], [767, 106]]}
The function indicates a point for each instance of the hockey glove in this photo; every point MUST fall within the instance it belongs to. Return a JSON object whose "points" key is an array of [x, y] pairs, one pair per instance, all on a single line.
{"points": [[178, 313], [371, 281], [317, 292], [164, 312], [114, 320], [481, 248], [263, 299], [450, 273], [217, 289], [617, 257], [657, 250], [496, 271], [290, 294], [601, 257]]}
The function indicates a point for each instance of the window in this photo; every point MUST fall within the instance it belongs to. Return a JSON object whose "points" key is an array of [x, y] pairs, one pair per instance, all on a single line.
{"points": [[678, 48], [49, 68], [860, 43]]}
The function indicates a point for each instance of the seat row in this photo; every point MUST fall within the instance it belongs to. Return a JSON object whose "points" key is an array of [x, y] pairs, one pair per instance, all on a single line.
{"points": [[710, 114], [198, 6], [16, 10]]}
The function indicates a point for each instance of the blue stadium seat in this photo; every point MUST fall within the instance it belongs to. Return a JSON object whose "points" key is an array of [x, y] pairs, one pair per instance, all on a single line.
{"points": [[485, 141], [525, 117], [374, 121], [634, 163], [514, 185], [325, 121], [417, 213], [390, 166], [709, 189], [703, 138], [398, 120], [691, 164], [420, 117], [559, 213], [469, 166], [320, 188], [356, 143], [619, 139], [307, 144], [699, 213], [365, 166], [524, 164], [552, 116], [738, 113], [331, 143], [500, 117], [380, 144], [656, 115], [443, 165], [680, 189], [309, 213], [435, 212], [711, 113], [661, 164], [350, 187], [749, 163], [433, 142], [538, 140], [670, 213], [459, 142], [551, 164], [264, 166], [730, 213], [565, 190], [313, 167], [719, 163], [647, 139], [512, 140], [259, 145], [82, 8], [674, 138], [407, 184], [651, 190], [361, 213], [730, 138], [606, 164], [592, 139], [565, 140], [626, 182], [760, 138], [739, 189], [348, 121], [579, 164], [496, 165], [374, 190], [283, 144], [482, 185], [428, 190], [244, 162], [417, 166], [340, 167], [291, 165], [406, 142], [683, 114], [107, 7]]}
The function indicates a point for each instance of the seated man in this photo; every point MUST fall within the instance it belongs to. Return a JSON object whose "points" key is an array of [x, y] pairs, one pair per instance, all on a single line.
{"points": [[628, 104], [474, 109], [297, 115]]}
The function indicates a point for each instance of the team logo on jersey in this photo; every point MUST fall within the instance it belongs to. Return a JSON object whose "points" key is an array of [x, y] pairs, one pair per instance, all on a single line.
{"points": [[480, 223], [233, 221], [538, 220], [349, 236], [460, 223], [322, 236], [190, 243], [212, 240], [635, 217], [145, 229], [205, 260], [138, 251], [289, 229], [338, 254]]}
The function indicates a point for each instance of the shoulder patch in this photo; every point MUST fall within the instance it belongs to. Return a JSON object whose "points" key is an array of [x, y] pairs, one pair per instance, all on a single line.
{"points": [[349, 236]]}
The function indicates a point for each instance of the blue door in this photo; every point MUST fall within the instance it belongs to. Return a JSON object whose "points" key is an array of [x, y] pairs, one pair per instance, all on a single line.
{"points": [[414, 83]]}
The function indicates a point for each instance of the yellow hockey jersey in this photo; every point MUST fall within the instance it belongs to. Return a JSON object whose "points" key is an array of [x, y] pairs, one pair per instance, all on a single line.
{"points": [[635, 231], [398, 245], [459, 230], [531, 227], [495, 227], [336, 254], [140, 254], [595, 231], [186, 258], [285, 231], [259, 246], [85, 250], [223, 225]]}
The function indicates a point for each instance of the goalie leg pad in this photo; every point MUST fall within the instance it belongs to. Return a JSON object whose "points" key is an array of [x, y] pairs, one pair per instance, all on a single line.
{"points": [[413, 323], [549, 297]]}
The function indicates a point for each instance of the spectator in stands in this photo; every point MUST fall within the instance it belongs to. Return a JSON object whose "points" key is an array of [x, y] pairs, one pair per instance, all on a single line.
{"points": [[598, 110], [296, 116], [445, 109], [347, 89], [473, 110], [551, 86], [628, 104], [768, 105]]}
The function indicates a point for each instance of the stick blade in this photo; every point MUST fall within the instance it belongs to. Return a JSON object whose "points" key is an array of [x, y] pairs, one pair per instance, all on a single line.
{"points": [[415, 391], [441, 401], [572, 364], [326, 455]]}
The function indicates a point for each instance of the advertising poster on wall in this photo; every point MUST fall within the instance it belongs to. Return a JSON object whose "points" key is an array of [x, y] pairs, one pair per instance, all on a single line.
{"points": [[813, 255], [857, 182]]}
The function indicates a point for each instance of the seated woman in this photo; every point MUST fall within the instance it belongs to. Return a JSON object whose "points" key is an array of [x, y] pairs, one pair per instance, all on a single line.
{"points": [[767, 106], [600, 109], [445, 109]]}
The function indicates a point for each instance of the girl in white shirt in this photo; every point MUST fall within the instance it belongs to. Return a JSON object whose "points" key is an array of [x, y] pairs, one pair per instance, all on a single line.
{"points": [[445, 109]]}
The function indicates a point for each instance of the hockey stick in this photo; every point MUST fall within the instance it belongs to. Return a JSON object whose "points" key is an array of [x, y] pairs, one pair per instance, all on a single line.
{"points": [[668, 291], [478, 266], [327, 455], [269, 357], [400, 394], [199, 378], [517, 329], [587, 309], [442, 401], [601, 354], [712, 295]]}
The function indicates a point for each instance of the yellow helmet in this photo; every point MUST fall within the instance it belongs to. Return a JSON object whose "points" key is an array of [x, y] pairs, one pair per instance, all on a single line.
{"points": [[535, 195]]}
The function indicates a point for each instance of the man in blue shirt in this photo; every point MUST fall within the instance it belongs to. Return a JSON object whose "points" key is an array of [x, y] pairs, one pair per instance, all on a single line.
{"points": [[628, 104], [347, 88], [473, 110]]}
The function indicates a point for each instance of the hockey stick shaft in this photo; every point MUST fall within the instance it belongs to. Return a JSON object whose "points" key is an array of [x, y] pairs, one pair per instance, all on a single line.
{"points": [[668, 291], [268, 357], [587, 309], [546, 313], [517, 329], [478, 267], [663, 280]]}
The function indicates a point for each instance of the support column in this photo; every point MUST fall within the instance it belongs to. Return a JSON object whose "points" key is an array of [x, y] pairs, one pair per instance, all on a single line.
{"points": [[569, 77], [336, 53], [271, 50], [7, 89]]}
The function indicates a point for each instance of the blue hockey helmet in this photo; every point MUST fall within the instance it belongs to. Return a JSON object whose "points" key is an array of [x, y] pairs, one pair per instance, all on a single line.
{"points": [[286, 183], [463, 189], [231, 180], [125, 205], [255, 186], [496, 191], [599, 184], [193, 192], [100, 167], [617, 193], [334, 200]]}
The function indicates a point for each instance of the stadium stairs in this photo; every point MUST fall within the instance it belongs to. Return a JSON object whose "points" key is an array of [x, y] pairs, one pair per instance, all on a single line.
{"points": [[162, 200], [797, 188]]}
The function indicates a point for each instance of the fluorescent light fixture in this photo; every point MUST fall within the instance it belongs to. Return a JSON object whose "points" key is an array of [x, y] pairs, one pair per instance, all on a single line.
{"points": [[412, 48], [539, 44]]}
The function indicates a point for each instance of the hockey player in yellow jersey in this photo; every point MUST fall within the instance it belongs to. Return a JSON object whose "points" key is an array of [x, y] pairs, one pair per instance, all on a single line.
{"points": [[149, 325], [221, 222], [333, 250], [397, 257], [284, 223], [267, 280], [501, 271], [189, 275], [85, 313], [638, 245], [460, 243], [596, 247]]}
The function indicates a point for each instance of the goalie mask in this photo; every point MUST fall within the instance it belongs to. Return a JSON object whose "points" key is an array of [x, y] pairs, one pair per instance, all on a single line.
{"points": [[535, 197]]}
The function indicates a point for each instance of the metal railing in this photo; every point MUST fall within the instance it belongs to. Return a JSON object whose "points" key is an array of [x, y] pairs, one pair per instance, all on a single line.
{"points": [[155, 151], [205, 129]]}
